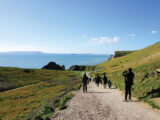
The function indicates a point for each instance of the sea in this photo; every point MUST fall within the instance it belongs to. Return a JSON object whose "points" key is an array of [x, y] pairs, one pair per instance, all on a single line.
{"points": [[38, 60]]}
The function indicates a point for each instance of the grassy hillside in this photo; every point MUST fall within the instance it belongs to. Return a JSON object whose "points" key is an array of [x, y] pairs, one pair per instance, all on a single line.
{"points": [[135, 59], [144, 63], [121, 53], [37, 93], [15, 77]]}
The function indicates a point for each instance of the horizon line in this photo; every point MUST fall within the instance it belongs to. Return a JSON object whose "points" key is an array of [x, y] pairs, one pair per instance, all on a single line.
{"points": [[49, 52]]}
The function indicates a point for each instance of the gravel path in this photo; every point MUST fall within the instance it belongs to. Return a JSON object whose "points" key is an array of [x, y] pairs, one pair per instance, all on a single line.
{"points": [[104, 104]]}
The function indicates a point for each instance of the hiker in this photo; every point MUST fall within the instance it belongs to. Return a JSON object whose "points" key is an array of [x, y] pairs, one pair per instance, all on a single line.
{"points": [[101, 80], [104, 80], [97, 80], [85, 82], [90, 79], [128, 78], [109, 84]]}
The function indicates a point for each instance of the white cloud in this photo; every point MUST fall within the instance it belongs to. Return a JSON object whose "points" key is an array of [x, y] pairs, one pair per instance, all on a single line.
{"points": [[132, 35], [153, 31], [103, 40]]}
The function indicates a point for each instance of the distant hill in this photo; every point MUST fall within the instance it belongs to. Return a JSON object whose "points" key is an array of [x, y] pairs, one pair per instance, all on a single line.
{"points": [[22, 52], [121, 53]]}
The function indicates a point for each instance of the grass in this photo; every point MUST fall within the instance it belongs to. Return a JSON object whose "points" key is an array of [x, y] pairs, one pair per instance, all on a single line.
{"points": [[64, 100], [17, 77], [144, 63], [151, 103], [37, 93]]}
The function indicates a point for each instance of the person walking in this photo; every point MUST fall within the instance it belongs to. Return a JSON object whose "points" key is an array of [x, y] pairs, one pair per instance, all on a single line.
{"points": [[97, 80], [84, 81], [104, 80], [128, 78], [90, 79], [109, 84]]}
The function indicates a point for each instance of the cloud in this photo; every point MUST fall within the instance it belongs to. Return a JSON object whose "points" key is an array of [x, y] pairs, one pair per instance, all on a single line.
{"points": [[103, 40], [153, 31], [132, 35]]}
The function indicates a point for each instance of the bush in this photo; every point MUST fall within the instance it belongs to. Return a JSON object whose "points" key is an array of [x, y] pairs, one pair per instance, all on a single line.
{"points": [[27, 70]]}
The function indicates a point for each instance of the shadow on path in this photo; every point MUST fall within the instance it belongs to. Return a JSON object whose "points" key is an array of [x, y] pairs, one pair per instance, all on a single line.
{"points": [[132, 101]]}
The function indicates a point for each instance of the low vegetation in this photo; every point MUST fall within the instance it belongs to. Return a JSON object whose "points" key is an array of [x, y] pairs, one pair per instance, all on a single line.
{"points": [[15, 77], [64, 101], [36, 93]]}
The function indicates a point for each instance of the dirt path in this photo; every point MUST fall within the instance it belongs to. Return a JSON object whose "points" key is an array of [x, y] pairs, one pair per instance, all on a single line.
{"points": [[104, 104]]}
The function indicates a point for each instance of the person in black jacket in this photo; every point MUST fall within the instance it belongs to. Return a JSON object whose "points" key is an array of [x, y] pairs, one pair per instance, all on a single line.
{"points": [[84, 81], [128, 78], [90, 79], [109, 84], [104, 80], [97, 79]]}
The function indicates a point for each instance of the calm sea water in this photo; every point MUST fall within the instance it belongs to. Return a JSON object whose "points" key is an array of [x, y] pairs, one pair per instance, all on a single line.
{"points": [[39, 60]]}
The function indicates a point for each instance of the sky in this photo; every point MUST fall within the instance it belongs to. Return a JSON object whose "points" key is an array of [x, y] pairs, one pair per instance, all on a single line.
{"points": [[78, 26]]}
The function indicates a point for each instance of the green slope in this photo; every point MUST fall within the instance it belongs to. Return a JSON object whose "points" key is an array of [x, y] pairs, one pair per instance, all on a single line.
{"points": [[36, 93], [16, 77], [137, 58]]}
